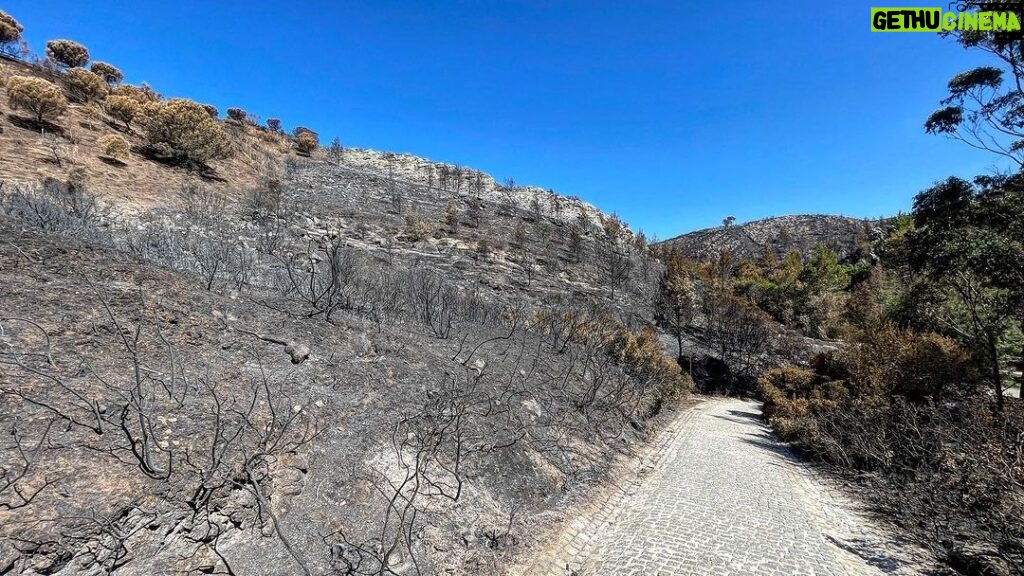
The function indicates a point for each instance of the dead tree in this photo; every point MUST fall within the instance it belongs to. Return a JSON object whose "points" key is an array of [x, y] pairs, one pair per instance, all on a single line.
{"points": [[324, 277]]}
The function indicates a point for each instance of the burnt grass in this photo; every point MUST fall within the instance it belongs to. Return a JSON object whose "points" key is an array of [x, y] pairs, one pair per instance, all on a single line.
{"points": [[292, 382]]}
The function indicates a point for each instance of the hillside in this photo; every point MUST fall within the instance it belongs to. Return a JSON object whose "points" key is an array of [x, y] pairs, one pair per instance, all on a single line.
{"points": [[781, 235], [351, 362]]}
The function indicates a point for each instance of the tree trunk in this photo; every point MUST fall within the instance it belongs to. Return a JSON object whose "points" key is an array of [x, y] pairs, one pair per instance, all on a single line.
{"points": [[997, 374]]}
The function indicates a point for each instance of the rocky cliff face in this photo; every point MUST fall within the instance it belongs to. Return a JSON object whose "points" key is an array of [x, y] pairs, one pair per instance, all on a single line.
{"points": [[781, 235]]}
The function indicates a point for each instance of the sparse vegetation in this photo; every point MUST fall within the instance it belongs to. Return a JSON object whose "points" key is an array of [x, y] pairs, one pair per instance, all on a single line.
{"points": [[416, 228]]}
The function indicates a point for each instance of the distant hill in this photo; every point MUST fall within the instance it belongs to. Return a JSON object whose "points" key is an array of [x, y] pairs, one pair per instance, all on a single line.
{"points": [[782, 234]]}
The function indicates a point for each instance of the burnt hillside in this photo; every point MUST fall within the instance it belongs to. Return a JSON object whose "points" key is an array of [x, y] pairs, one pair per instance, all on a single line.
{"points": [[781, 235]]}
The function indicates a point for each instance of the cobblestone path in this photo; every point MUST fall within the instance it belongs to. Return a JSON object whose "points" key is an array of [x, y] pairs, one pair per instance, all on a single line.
{"points": [[724, 497]]}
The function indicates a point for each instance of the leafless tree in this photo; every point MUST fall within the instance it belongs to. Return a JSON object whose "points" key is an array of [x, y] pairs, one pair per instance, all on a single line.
{"points": [[324, 276]]}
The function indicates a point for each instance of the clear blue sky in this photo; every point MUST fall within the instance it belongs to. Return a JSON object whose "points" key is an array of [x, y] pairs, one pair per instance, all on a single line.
{"points": [[660, 111]]}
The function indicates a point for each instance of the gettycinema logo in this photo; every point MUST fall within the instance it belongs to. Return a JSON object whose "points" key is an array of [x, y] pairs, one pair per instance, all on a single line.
{"points": [[939, 20]]}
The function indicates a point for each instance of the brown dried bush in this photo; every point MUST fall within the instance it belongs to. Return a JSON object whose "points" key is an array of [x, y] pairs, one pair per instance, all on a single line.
{"points": [[10, 31], [43, 99], [181, 131], [86, 86], [67, 53], [900, 412], [142, 94], [307, 143], [417, 229], [110, 73], [123, 108], [114, 146]]}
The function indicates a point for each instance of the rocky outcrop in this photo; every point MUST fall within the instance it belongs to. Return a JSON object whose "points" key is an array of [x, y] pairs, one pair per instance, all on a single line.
{"points": [[781, 234]]}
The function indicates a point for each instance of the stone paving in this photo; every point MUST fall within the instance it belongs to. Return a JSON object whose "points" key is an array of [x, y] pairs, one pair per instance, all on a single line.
{"points": [[723, 497]]}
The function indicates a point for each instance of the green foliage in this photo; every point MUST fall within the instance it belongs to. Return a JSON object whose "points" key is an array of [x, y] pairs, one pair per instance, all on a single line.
{"points": [[968, 249], [807, 296], [985, 105]]}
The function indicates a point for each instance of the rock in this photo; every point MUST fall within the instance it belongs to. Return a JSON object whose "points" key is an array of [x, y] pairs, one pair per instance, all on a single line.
{"points": [[298, 352], [781, 235]]}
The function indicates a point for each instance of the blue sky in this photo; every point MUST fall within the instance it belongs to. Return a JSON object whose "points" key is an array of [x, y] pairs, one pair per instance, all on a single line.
{"points": [[671, 115]]}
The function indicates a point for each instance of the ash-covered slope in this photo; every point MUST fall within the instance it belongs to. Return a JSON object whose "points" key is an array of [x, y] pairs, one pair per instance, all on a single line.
{"points": [[368, 364], [782, 234]]}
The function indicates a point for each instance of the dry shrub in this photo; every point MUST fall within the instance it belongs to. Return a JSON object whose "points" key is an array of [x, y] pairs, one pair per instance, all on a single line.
{"points": [[644, 357], [108, 72], [417, 229], [123, 108], [891, 360], [307, 142], [67, 53], [10, 30], [263, 201], [239, 116], [114, 146], [43, 99], [899, 411], [142, 94], [211, 110], [85, 85], [93, 115], [181, 131]]}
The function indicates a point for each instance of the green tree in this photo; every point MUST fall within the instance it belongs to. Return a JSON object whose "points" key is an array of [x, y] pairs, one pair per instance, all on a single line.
{"points": [[966, 251], [985, 105]]}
